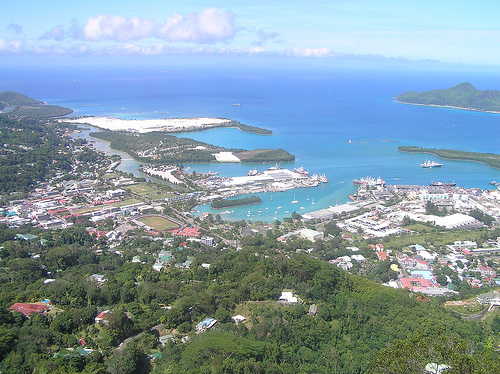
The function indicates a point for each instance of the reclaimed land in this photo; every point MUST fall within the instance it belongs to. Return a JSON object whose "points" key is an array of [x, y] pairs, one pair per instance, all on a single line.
{"points": [[491, 159], [162, 148], [19, 105], [461, 96], [222, 204]]}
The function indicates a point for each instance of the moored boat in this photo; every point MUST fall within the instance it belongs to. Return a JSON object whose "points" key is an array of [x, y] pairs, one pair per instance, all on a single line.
{"points": [[430, 164]]}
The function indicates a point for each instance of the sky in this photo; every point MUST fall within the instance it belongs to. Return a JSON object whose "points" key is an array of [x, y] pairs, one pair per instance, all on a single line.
{"points": [[69, 31]]}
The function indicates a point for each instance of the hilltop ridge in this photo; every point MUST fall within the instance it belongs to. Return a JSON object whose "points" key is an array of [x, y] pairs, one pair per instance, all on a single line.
{"points": [[463, 96], [16, 104]]}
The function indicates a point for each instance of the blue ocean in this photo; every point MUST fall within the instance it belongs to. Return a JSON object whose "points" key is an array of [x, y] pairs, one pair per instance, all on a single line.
{"points": [[338, 121]]}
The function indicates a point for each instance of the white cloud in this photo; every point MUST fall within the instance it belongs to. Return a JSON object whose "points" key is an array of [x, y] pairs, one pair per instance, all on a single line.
{"points": [[56, 33], [10, 46], [209, 26], [117, 28], [310, 52], [257, 50], [134, 49]]}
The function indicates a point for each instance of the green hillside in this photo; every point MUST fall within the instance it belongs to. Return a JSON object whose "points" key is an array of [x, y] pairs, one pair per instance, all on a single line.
{"points": [[19, 105], [463, 95], [11, 98]]}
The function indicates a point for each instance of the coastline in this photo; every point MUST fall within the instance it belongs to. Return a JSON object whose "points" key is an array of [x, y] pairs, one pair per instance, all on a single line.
{"points": [[150, 125], [170, 125], [436, 153], [449, 106]]}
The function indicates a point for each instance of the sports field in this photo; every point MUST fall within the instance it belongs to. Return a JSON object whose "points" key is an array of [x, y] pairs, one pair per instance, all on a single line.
{"points": [[142, 189], [158, 223]]}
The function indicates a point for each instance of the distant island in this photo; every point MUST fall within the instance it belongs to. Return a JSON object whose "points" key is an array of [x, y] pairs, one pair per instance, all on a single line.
{"points": [[461, 96], [19, 105], [222, 204], [491, 159]]}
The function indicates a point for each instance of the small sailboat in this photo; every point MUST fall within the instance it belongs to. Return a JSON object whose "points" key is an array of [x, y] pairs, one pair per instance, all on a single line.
{"points": [[294, 201], [308, 198], [312, 202]]}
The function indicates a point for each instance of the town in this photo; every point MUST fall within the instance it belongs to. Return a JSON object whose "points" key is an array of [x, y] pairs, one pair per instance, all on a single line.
{"points": [[434, 241]]}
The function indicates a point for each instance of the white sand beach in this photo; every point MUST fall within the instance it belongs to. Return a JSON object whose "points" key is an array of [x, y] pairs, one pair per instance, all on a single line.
{"points": [[226, 157], [148, 125], [165, 174]]}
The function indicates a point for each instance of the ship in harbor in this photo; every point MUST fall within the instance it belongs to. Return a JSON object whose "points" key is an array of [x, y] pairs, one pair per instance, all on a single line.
{"points": [[301, 171], [445, 184], [322, 178], [428, 164], [253, 172], [369, 181]]}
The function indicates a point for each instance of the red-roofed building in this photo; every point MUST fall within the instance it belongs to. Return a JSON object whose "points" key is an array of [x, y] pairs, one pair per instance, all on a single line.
{"points": [[487, 271], [467, 252], [382, 255], [28, 309], [379, 247], [415, 284], [422, 265], [102, 317], [188, 231], [58, 211]]}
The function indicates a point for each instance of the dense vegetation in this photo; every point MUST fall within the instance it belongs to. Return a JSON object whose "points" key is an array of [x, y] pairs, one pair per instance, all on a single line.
{"points": [[356, 317], [221, 204], [463, 95], [32, 152], [160, 147], [491, 159], [248, 128], [23, 106], [10, 98], [265, 155], [235, 124]]}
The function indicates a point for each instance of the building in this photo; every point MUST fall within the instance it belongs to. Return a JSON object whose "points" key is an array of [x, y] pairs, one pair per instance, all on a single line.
{"points": [[205, 325], [207, 240], [288, 298], [311, 235], [29, 308]]}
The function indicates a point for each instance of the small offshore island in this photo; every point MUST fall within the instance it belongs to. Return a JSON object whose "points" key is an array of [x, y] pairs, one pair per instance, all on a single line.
{"points": [[462, 96], [491, 159], [222, 204]]}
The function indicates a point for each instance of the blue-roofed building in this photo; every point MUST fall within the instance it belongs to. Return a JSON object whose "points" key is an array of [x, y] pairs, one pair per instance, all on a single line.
{"points": [[206, 324]]}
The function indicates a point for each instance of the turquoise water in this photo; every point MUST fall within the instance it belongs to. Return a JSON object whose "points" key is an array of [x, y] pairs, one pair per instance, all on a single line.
{"points": [[314, 113]]}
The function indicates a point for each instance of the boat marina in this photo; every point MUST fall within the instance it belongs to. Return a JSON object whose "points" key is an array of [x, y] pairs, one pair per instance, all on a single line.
{"points": [[273, 179]]}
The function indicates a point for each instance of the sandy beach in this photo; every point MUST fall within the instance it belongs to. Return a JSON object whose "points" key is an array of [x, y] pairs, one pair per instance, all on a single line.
{"points": [[148, 125]]}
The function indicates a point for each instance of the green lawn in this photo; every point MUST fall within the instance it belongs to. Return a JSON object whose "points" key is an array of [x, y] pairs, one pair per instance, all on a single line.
{"points": [[158, 223], [142, 189]]}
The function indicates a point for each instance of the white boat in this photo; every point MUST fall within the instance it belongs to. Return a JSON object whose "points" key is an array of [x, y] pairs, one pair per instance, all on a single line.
{"points": [[294, 201], [312, 202], [430, 164], [279, 207], [302, 207]]}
